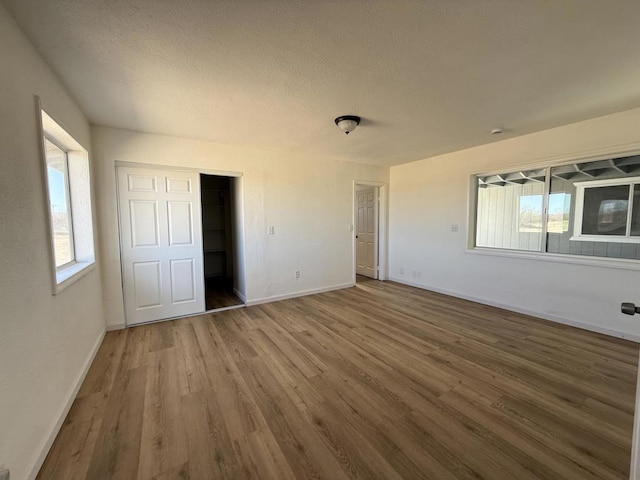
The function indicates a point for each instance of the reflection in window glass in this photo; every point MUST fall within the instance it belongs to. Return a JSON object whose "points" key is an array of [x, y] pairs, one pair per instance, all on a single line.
{"points": [[559, 212], [57, 178], [530, 215], [530, 219], [510, 215], [635, 213], [605, 210], [612, 216], [530, 212]]}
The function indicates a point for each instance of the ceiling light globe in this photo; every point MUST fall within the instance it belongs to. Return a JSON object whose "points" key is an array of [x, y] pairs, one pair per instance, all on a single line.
{"points": [[347, 123]]}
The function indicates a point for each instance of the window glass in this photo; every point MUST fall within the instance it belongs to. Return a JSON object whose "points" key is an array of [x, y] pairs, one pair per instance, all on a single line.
{"points": [[635, 213], [605, 210], [530, 215], [57, 178], [509, 213], [559, 212]]}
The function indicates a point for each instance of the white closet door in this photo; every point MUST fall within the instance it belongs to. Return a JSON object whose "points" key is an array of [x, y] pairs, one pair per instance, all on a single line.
{"points": [[161, 243]]}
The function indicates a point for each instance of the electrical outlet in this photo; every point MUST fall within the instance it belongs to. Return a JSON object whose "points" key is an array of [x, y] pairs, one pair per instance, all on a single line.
{"points": [[272, 230], [454, 227], [297, 273], [415, 274], [402, 271], [350, 227], [4, 474]]}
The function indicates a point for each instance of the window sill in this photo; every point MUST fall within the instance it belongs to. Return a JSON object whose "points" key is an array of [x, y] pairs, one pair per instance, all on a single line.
{"points": [[620, 263], [71, 274], [605, 238]]}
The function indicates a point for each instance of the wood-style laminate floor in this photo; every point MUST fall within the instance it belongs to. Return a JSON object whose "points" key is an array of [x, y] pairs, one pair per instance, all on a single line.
{"points": [[376, 381], [218, 294]]}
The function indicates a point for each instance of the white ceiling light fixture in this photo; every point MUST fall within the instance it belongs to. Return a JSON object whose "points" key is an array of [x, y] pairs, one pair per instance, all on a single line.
{"points": [[347, 123]]}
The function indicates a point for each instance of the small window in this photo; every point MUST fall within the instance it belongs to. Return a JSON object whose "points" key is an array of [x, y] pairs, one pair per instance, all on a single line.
{"points": [[69, 201], [605, 210]]}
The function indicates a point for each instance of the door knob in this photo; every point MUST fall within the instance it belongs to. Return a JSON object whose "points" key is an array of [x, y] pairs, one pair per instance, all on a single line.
{"points": [[629, 308], [356, 236]]}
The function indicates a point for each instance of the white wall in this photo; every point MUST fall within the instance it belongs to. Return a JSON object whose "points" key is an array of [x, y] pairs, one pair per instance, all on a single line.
{"points": [[45, 340], [308, 201], [430, 195]]}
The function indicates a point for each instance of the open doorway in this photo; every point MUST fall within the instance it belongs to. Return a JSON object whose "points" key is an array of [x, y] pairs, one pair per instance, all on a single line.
{"points": [[221, 241]]}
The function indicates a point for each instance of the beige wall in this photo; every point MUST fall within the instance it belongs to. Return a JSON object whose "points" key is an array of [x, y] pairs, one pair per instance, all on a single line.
{"points": [[309, 201], [45, 340], [431, 195]]}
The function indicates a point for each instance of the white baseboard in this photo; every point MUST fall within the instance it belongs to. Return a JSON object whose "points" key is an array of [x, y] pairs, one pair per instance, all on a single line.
{"points": [[45, 446], [240, 295], [525, 311], [302, 293], [117, 326]]}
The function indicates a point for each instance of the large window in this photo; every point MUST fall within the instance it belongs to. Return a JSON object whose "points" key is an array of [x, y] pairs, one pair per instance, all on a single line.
{"points": [[69, 200], [589, 208]]}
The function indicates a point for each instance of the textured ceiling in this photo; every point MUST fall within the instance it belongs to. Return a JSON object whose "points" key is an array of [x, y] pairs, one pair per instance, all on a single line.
{"points": [[427, 77]]}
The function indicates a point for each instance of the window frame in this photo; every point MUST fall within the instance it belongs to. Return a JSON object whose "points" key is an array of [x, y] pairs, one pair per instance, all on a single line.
{"points": [[79, 201], [579, 213]]}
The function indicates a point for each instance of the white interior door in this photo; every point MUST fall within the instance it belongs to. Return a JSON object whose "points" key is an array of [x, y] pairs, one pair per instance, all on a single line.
{"points": [[161, 243], [367, 232]]}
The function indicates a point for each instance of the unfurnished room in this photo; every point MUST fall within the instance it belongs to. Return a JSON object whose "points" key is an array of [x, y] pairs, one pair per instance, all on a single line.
{"points": [[292, 239]]}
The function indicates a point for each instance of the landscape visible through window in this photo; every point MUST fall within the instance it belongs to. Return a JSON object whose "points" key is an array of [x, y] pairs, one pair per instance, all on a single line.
{"points": [[57, 178]]}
